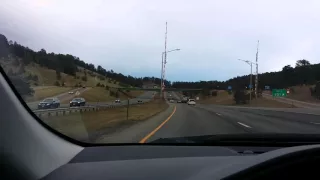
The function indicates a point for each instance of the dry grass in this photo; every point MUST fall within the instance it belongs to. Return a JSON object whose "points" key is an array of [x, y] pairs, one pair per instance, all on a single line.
{"points": [[263, 102], [94, 124], [47, 77], [260, 102], [302, 93], [41, 93], [221, 97], [224, 98], [134, 94]]}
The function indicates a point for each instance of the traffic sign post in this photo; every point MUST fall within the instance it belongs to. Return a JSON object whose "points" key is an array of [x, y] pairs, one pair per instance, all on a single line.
{"points": [[279, 92]]}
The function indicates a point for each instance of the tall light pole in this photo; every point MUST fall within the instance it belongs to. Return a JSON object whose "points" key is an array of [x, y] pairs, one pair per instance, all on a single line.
{"points": [[250, 63], [257, 54], [163, 65]]}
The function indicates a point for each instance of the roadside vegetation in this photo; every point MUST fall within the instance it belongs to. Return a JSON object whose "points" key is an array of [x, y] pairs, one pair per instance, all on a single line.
{"points": [[42, 93]]}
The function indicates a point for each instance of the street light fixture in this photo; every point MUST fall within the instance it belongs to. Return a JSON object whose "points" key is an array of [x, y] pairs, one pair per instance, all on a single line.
{"points": [[164, 61], [250, 63]]}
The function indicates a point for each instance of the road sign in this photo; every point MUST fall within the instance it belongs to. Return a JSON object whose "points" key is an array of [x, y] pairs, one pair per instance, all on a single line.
{"points": [[267, 87], [77, 93], [229, 87], [250, 86], [279, 92]]}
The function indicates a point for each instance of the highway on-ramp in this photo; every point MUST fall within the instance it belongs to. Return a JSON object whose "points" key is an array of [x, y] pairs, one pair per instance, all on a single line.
{"points": [[182, 120]]}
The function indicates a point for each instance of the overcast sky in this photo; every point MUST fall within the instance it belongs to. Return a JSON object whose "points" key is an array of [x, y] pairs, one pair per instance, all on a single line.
{"points": [[128, 35]]}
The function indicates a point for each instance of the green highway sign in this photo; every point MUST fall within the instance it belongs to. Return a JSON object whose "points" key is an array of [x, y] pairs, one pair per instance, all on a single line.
{"points": [[279, 92]]}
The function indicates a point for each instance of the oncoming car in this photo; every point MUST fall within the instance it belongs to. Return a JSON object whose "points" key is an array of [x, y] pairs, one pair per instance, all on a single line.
{"points": [[49, 103], [117, 101], [77, 102], [191, 102]]}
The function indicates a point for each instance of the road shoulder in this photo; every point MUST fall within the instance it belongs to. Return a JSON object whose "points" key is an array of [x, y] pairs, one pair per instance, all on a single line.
{"points": [[137, 131]]}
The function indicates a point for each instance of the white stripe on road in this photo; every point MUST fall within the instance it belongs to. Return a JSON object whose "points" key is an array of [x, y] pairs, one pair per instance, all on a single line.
{"points": [[218, 114], [244, 125], [315, 123]]}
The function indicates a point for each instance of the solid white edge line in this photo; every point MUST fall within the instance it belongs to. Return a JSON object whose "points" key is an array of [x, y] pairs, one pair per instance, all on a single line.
{"points": [[244, 125], [315, 123]]}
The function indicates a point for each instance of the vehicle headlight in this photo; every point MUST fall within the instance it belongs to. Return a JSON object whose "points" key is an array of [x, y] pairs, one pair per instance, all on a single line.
{"points": [[78, 102], [48, 104], [70, 102]]}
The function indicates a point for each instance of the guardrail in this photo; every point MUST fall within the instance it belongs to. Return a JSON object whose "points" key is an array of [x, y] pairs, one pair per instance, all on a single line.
{"points": [[66, 111], [93, 106]]}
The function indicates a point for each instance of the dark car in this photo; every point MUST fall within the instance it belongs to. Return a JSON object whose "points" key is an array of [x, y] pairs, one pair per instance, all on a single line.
{"points": [[77, 102], [117, 101], [49, 103], [139, 101]]}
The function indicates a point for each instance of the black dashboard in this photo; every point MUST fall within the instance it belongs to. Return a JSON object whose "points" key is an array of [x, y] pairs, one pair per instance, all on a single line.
{"points": [[191, 162]]}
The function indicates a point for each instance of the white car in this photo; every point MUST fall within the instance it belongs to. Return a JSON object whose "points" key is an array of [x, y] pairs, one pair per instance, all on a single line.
{"points": [[171, 100], [71, 92], [191, 102]]}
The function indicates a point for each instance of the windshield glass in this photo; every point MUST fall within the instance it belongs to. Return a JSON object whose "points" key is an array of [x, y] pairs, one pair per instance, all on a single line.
{"points": [[47, 100], [145, 70]]}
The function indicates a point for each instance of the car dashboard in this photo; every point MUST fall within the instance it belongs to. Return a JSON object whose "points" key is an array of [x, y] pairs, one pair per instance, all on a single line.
{"points": [[190, 162]]}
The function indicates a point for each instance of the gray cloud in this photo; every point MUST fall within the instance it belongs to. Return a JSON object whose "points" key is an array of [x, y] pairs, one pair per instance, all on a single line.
{"points": [[128, 36]]}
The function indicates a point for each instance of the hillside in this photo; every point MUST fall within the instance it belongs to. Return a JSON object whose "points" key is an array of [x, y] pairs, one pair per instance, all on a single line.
{"points": [[69, 65], [48, 77]]}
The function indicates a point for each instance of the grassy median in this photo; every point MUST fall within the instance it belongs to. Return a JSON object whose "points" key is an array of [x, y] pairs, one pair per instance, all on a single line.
{"points": [[88, 126], [223, 98]]}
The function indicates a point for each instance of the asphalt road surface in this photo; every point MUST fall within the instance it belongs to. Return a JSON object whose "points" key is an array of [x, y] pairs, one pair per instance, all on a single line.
{"points": [[213, 119]]}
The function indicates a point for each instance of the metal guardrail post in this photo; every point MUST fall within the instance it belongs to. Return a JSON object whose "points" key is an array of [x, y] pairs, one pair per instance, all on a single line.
{"points": [[128, 109]]}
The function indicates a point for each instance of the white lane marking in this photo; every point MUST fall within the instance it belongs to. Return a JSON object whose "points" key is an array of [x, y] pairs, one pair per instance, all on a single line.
{"points": [[315, 123], [218, 114], [244, 125]]}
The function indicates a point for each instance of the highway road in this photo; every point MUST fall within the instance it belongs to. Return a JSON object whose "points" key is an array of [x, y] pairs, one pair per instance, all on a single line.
{"points": [[61, 97], [145, 97], [213, 119]]}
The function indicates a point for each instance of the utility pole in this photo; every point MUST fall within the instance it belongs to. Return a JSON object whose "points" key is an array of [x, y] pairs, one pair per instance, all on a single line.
{"points": [[250, 85], [257, 54], [164, 61], [250, 82]]}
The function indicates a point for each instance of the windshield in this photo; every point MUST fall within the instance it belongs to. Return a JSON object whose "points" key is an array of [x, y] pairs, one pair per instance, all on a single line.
{"points": [[145, 70], [47, 100]]}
